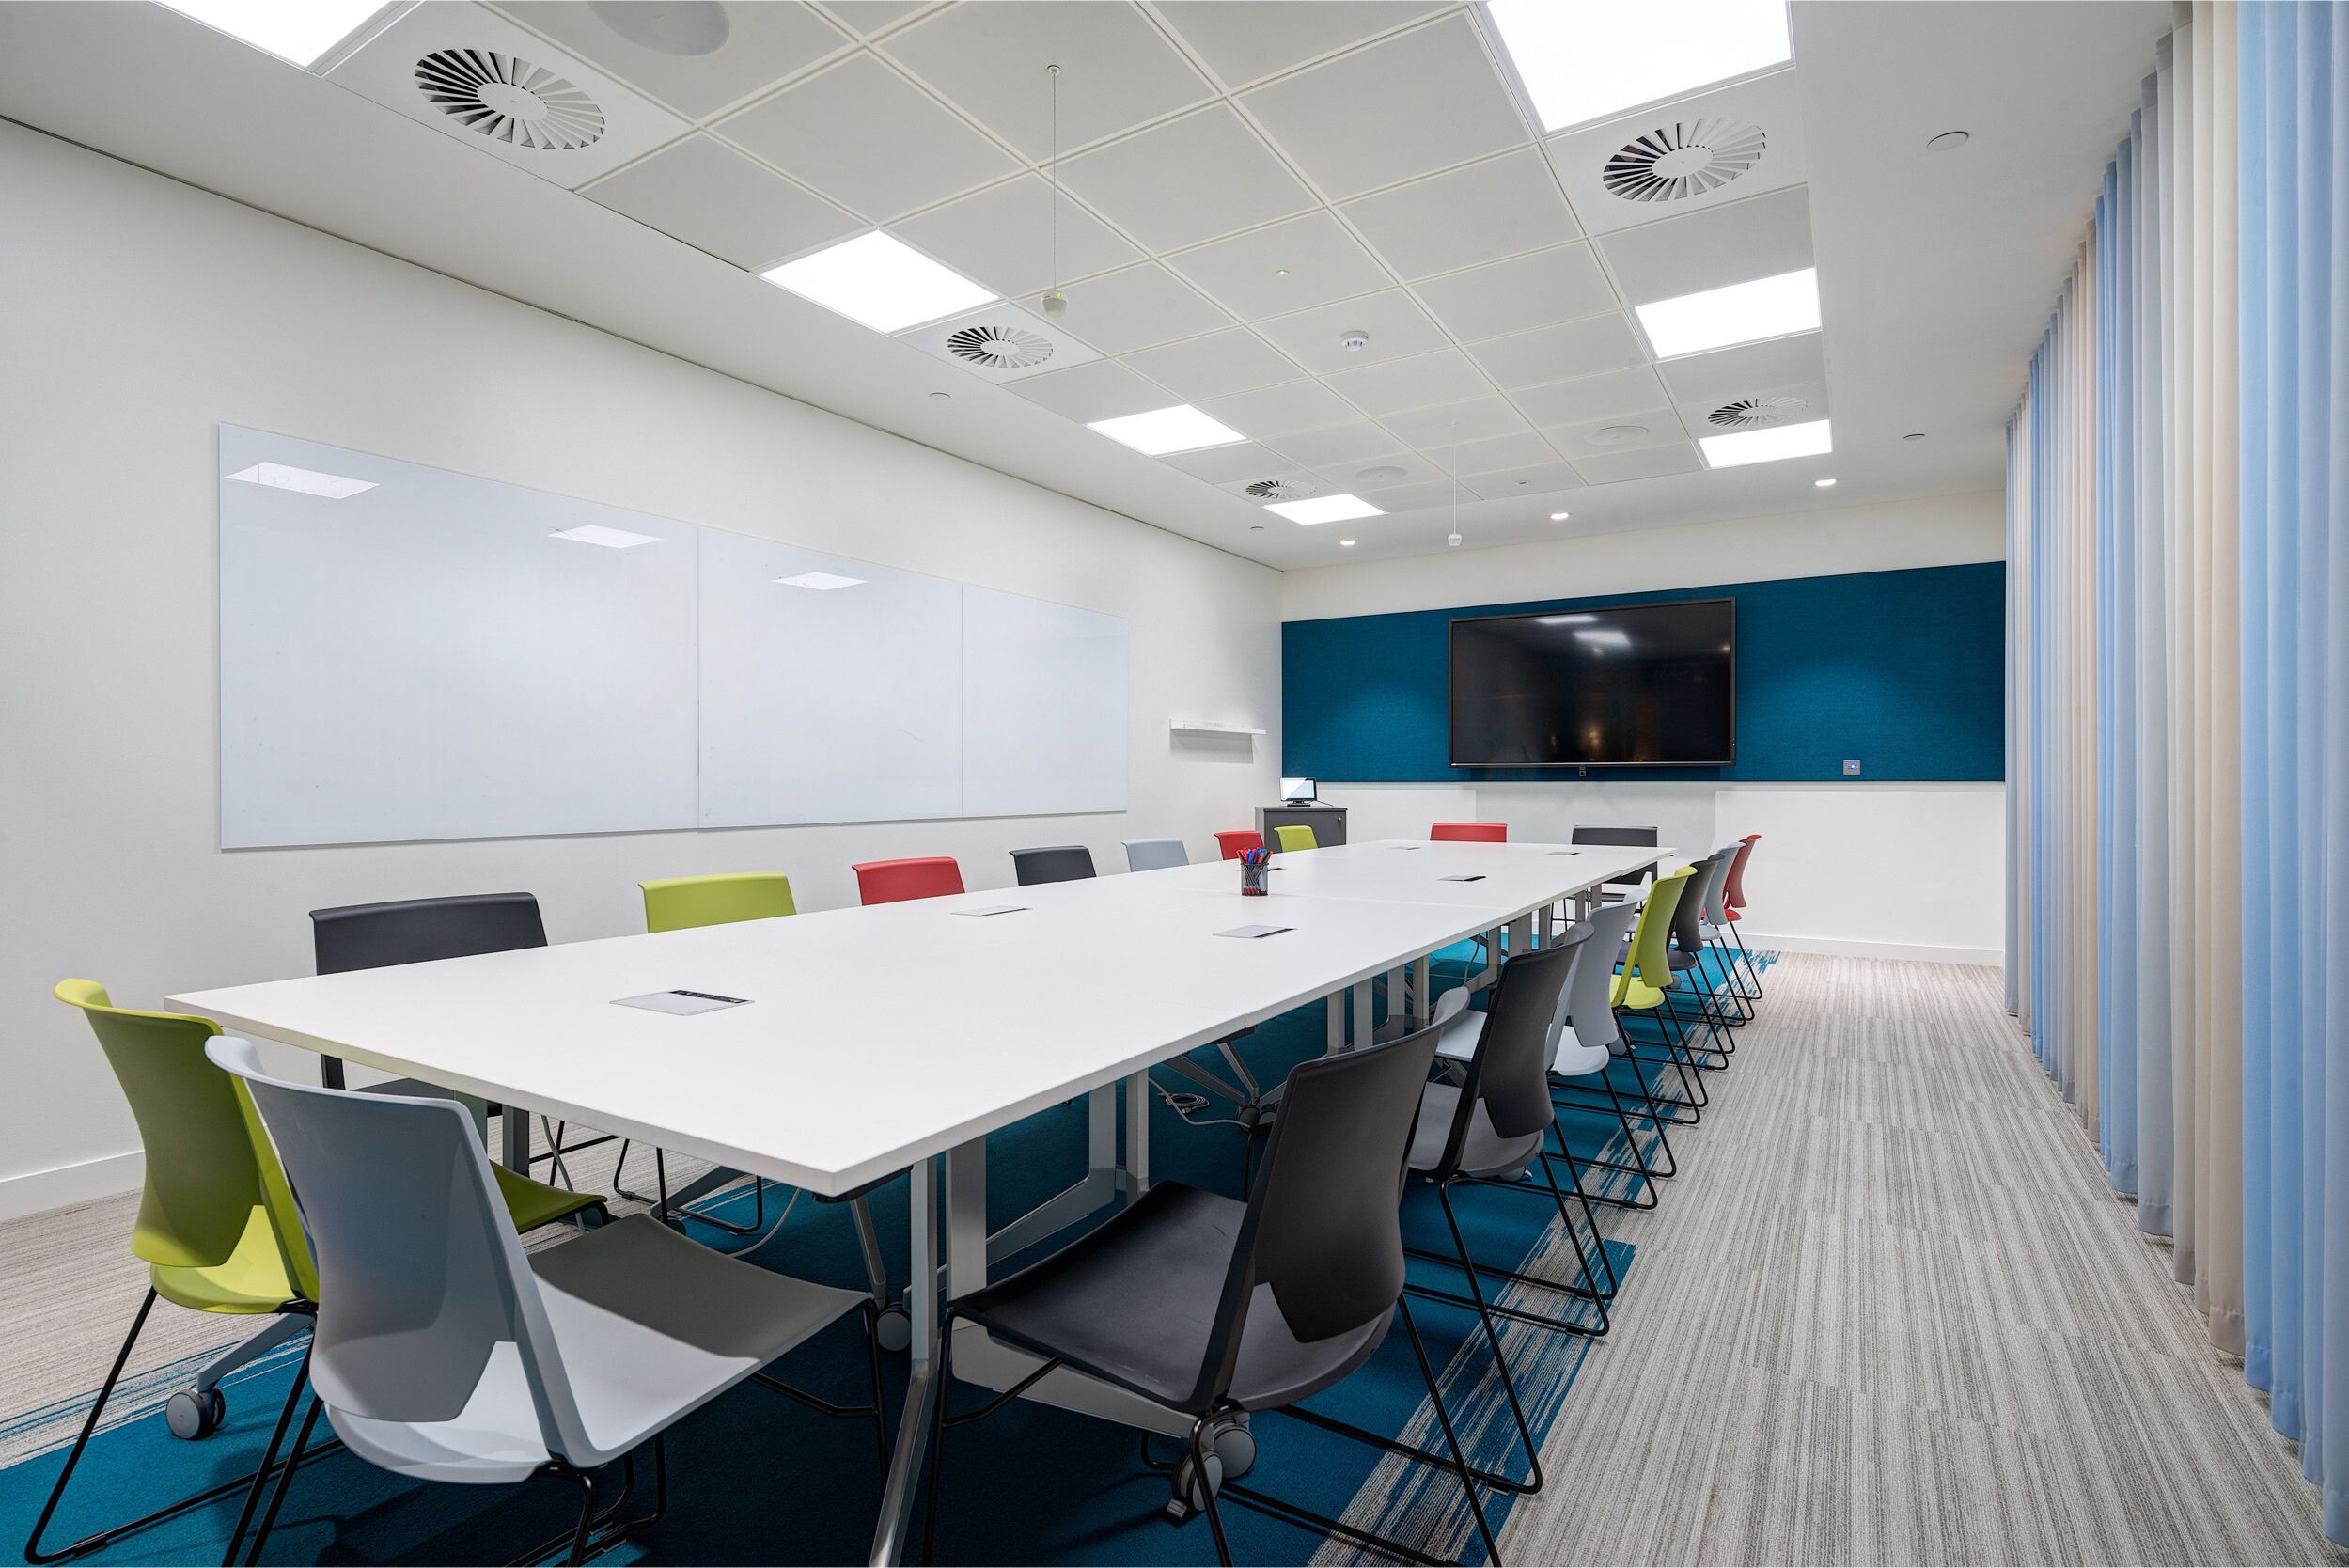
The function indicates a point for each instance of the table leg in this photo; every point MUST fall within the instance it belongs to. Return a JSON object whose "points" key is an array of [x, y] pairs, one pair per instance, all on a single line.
{"points": [[1335, 1007], [889, 1541], [1134, 1168], [513, 1126], [1361, 1013]]}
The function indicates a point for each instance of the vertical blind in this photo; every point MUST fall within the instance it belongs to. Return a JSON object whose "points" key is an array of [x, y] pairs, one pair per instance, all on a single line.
{"points": [[2177, 731]]}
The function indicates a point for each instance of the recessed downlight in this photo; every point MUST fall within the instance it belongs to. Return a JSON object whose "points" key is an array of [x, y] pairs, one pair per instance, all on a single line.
{"points": [[1326, 509], [1741, 313], [611, 539], [307, 481], [1823, 484], [823, 582], [1560, 516], [1347, 543], [879, 281], [1948, 141], [1179, 429]]}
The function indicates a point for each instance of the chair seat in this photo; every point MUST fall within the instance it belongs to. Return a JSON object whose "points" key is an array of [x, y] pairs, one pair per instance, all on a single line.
{"points": [[251, 1280], [1574, 1060], [535, 1203], [1133, 1301], [1633, 993], [1484, 1153], [1459, 1041], [650, 1326]]}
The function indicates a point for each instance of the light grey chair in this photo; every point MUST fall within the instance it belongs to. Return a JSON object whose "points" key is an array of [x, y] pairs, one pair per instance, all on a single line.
{"points": [[1154, 854], [445, 1353]]}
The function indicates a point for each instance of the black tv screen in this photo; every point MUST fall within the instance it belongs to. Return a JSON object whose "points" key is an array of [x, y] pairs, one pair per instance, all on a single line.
{"points": [[1624, 686]]}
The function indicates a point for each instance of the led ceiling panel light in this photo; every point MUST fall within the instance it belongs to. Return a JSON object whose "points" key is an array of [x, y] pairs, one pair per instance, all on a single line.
{"points": [[611, 539], [823, 582], [1741, 313], [881, 282], [1326, 509], [301, 31], [1583, 62], [1179, 429], [309, 482], [1767, 445]]}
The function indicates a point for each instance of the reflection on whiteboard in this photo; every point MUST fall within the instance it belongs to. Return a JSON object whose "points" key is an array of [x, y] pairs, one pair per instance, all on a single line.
{"points": [[412, 653]]}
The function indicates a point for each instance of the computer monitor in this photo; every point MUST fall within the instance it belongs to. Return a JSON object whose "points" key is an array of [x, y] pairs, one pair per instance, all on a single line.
{"points": [[1297, 791]]}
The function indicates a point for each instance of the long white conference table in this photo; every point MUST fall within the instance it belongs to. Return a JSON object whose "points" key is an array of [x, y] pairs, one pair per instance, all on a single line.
{"points": [[874, 1040]]}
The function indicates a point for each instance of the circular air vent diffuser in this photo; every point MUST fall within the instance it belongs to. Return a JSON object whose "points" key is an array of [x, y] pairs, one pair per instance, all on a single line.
{"points": [[1000, 348], [510, 100], [1283, 490], [1683, 159], [1748, 412]]}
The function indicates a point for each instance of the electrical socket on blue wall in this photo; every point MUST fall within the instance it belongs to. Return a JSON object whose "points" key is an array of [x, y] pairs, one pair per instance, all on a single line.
{"points": [[1850, 767]]}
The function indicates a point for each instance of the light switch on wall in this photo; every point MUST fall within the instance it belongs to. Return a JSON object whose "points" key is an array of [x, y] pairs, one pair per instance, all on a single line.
{"points": [[1850, 767]]}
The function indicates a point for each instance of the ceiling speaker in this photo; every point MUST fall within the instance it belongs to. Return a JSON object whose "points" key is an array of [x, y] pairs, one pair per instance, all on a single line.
{"points": [[1683, 159], [509, 100]]}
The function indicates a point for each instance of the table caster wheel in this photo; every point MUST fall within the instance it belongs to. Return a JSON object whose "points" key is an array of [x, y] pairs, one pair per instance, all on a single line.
{"points": [[1234, 1446], [894, 1329], [194, 1413], [1187, 1501]]}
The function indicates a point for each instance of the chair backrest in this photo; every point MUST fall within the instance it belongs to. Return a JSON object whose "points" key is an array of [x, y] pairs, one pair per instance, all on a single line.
{"points": [[1735, 892], [1059, 863], [1295, 836], [1469, 833], [1650, 959], [1717, 875], [678, 903], [1238, 841], [1688, 909], [425, 1281], [418, 931], [926, 876], [1628, 838], [1510, 1073], [1155, 855], [207, 1163], [1589, 989], [1324, 1224]]}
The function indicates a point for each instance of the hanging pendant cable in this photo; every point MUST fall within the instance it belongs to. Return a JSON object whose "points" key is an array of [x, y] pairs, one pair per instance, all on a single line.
{"points": [[1454, 540], [1055, 301]]}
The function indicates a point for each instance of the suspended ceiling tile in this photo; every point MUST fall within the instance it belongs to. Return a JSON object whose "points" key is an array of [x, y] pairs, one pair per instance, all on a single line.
{"points": [[1734, 242], [1443, 377], [1224, 464], [1618, 432], [713, 198], [1543, 478], [1315, 338], [1521, 449], [1653, 462], [1570, 402], [1136, 308], [758, 46], [870, 17], [1214, 366], [1116, 70], [1716, 148], [1103, 390], [1357, 443], [1351, 475], [1436, 430], [1415, 497], [1562, 352], [1275, 410], [1245, 43], [1498, 208], [1421, 102], [1187, 182], [1004, 236], [867, 138], [1518, 294], [1283, 268], [1727, 373]]}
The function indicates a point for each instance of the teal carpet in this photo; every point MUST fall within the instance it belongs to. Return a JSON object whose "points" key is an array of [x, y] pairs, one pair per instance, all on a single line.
{"points": [[756, 1478]]}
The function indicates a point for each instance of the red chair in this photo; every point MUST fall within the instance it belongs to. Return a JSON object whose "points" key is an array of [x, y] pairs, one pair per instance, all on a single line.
{"points": [[1470, 833], [1238, 842], [1733, 894], [926, 876]]}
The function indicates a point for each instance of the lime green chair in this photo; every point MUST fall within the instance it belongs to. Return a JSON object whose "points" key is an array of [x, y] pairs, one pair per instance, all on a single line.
{"points": [[217, 1229], [673, 904], [1297, 836], [1645, 982]]}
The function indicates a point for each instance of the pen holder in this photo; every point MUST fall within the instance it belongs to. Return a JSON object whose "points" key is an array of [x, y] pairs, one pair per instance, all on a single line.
{"points": [[1255, 881]]}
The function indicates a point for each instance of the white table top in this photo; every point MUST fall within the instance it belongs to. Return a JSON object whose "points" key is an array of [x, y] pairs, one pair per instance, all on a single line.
{"points": [[878, 1037]]}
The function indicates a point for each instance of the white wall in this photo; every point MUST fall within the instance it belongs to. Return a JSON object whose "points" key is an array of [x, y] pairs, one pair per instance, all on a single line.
{"points": [[1938, 530], [1888, 869], [140, 313]]}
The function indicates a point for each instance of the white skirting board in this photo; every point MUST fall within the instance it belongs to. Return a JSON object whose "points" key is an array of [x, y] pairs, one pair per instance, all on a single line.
{"points": [[1913, 952], [36, 1192]]}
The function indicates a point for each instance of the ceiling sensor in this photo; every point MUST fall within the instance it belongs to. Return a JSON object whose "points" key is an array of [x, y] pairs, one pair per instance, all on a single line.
{"points": [[1914, 435], [1686, 158], [1948, 141], [1283, 490], [509, 100], [677, 27], [1748, 413], [1000, 348], [1382, 473], [1615, 435], [1353, 340]]}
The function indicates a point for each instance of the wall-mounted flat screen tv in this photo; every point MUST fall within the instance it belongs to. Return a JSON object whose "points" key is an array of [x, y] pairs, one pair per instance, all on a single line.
{"points": [[1630, 685]]}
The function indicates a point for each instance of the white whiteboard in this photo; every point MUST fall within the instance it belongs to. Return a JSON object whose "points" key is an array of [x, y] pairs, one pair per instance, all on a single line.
{"points": [[424, 660]]}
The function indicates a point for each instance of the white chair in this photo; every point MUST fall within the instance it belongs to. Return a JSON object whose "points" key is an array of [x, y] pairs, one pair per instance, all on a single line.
{"points": [[1155, 855], [444, 1353]]}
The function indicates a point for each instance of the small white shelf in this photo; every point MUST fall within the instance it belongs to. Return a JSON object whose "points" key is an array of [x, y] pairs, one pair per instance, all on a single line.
{"points": [[1203, 726]]}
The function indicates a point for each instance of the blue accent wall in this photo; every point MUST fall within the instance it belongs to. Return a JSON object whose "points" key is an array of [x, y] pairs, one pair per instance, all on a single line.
{"points": [[1903, 670]]}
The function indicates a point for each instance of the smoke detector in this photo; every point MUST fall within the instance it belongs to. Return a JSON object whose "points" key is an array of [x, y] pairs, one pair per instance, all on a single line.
{"points": [[1353, 340], [1750, 413], [1282, 489], [1686, 158], [999, 347]]}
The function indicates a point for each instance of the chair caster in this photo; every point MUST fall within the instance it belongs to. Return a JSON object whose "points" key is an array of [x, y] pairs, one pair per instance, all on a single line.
{"points": [[195, 1413], [893, 1330], [1234, 1444], [1187, 1502]]}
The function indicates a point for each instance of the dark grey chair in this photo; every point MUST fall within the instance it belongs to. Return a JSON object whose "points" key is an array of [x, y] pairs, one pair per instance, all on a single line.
{"points": [[1212, 1307], [1056, 863], [1621, 838]]}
